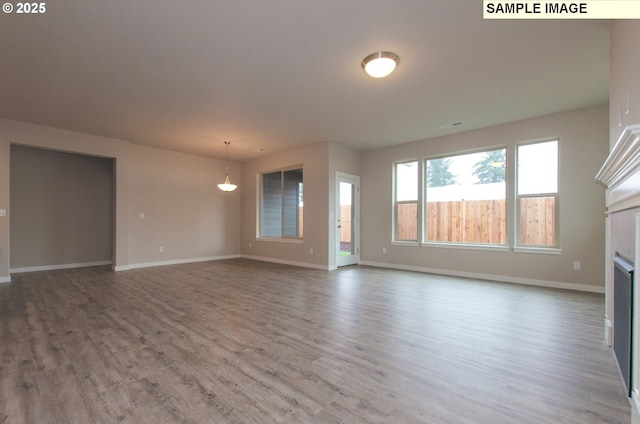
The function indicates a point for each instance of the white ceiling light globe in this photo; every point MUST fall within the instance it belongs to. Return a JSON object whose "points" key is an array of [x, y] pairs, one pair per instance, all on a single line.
{"points": [[380, 64]]}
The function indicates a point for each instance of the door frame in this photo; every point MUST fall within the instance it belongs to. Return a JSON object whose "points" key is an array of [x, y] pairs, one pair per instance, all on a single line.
{"points": [[355, 181]]}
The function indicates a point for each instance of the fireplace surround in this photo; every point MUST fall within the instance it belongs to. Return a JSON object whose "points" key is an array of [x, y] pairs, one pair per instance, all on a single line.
{"points": [[621, 176]]}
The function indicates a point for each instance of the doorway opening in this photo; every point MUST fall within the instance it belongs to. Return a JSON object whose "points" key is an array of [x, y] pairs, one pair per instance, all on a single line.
{"points": [[62, 208]]}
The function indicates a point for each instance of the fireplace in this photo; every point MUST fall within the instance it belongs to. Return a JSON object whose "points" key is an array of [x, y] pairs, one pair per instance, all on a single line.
{"points": [[623, 317], [620, 174]]}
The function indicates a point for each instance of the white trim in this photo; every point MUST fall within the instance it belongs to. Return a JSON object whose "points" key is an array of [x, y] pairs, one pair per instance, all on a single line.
{"points": [[5, 280], [281, 240], [405, 243], [286, 262], [608, 283], [623, 159], [621, 171], [491, 277], [56, 267], [355, 258], [538, 250], [623, 205], [466, 246], [635, 343], [635, 406], [180, 261], [118, 268], [608, 332]]}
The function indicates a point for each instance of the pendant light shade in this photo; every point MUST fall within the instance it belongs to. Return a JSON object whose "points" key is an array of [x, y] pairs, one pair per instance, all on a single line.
{"points": [[380, 64], [226, 185]]}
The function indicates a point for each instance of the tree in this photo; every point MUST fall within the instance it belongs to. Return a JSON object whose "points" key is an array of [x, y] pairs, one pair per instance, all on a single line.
{"points": [[491, 168], [438, 174]]}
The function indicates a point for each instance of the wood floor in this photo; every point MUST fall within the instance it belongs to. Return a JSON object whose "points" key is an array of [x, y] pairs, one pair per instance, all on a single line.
{"points": [[240, 341]]}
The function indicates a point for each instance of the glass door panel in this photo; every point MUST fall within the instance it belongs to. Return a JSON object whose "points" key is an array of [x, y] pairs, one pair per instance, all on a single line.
{"points": [[347, 220]]}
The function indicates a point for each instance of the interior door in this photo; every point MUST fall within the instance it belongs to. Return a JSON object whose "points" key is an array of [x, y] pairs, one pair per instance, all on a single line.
{"points": [[347, 219]]}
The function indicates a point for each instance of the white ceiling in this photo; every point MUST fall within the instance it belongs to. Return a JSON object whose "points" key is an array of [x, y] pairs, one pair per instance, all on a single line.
{"points": [[275, 75]]}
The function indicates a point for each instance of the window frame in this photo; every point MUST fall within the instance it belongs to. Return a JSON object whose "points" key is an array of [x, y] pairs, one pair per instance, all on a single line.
{"points": [[517, 239], [461, 244], [395, 203], [513, 202], [260, 206]]}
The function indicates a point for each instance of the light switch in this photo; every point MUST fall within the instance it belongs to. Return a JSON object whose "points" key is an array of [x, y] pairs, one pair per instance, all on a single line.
{"points": [[141, 215], [3, 212]]}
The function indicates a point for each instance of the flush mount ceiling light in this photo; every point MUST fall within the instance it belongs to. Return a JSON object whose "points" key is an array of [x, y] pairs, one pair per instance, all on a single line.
{"points": [[226, 185], [380, 64]]}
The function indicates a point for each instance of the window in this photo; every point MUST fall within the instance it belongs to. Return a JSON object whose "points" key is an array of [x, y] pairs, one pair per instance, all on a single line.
{"points": [[406, 201], [537, 195], [466, 198], [281, 204]]}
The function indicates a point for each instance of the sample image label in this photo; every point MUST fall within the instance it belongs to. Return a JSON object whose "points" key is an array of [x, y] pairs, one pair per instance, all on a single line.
{"points": [[587, 9]]}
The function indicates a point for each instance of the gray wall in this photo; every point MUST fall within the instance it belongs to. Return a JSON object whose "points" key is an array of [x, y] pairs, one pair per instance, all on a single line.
{"points": [[320, 163], [62, 208], [315, 164], [185, 213]]}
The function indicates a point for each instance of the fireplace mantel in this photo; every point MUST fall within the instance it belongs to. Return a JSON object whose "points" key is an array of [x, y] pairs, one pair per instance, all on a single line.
{"points": [[621, 171]]}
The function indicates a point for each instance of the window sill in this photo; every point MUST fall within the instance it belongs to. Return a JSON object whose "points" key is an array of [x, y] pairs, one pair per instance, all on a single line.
{"points": [[538, 250], [280, 240], [404, 243], [469, 246]]}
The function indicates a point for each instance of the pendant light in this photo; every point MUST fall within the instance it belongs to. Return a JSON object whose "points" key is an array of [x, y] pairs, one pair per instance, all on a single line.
{"points": [[226, 185]]}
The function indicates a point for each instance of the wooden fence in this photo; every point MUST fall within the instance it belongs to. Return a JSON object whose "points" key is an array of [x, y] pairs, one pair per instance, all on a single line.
{"points": [[538, 221], [301, 221], [345, 223], [407, 219], [480, 221], [474, 221]]}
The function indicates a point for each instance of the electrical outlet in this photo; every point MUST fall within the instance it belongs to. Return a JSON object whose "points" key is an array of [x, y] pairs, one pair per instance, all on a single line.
{"points": [[3, 212], [250, 245], [161, 249], [576, 265], [384, 250], [311, 250], [141, 215]]}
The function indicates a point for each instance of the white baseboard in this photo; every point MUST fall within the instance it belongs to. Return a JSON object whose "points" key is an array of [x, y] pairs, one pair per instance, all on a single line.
{"points": [[491, 277], [464, 274], [59, 266], [635, 407], [177, 262], [286, 262], [121, 268]]}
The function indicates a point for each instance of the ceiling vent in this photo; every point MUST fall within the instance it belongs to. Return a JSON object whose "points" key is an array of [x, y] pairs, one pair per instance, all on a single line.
{"points": [[452, 125]]}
